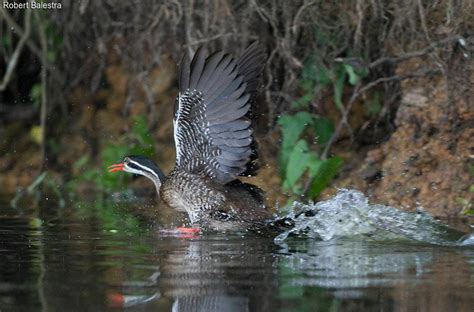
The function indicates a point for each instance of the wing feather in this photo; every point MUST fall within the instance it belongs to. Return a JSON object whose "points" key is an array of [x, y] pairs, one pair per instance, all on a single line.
{"points": [[226, 76], [197, 66], [234, 156], [235, 104], [233, 134], [233, 142], [219, 119], [209, 68], [219, 103], [230, 162], [184, 72], [213, 134], [237, 125]]}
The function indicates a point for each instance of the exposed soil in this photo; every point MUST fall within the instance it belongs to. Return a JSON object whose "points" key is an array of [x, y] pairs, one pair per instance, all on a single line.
{"points": [[428, 161]]}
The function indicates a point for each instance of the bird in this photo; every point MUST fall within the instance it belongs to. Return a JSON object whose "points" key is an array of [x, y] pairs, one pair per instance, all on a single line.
{"points": [[214, 143]]}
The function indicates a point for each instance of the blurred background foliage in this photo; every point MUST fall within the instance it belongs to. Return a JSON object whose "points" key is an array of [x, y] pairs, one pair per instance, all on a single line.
{"points": [[136, 142], [86, 84]]}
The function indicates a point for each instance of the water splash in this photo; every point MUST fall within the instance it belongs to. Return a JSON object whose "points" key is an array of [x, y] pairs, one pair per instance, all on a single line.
{"points": [[349, 214]]}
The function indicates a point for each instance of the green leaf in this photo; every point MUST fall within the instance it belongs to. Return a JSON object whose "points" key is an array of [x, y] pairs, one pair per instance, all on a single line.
{"points": [[325, 173], [324, 77], [310, 71], [303, 101], [339, 88], [291, 127], [81, 162], [324, 128], [314, 71], [307, 85], [353, 77], [298, 163], [314, 167], [35, 94]]}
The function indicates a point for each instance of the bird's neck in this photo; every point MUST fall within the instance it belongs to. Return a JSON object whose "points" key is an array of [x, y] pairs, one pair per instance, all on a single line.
{"points": [[157, 178]]}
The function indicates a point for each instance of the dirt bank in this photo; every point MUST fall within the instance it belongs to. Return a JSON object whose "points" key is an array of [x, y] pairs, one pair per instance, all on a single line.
{"points": [[428, 161]]}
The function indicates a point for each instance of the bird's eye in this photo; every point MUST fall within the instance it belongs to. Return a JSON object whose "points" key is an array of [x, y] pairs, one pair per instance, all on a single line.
{"points": [[125, 160]]}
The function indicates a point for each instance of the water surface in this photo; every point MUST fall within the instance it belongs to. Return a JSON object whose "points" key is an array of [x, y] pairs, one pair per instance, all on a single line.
{"points": [[97, 257]]}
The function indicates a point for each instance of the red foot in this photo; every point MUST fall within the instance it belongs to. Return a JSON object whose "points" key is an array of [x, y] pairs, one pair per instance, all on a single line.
{"points": [[116, 300], [187, 230], [181, 232]]}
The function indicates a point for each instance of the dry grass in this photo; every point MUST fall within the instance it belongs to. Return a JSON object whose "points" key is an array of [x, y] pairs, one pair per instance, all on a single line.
{"points": [[375, 33]]}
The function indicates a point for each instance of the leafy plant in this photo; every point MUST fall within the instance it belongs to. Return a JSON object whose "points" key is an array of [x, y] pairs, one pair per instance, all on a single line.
{"points": [[137, 141], [316, 76], [302, 169]]}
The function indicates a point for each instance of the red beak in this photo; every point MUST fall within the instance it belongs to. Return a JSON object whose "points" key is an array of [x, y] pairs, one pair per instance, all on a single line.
{"points": [[116, 167]]}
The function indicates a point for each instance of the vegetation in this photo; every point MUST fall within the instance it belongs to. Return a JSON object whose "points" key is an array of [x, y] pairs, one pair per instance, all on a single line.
{"points": [[67, 75], [137, 142], [303, 171], [304, 166]]}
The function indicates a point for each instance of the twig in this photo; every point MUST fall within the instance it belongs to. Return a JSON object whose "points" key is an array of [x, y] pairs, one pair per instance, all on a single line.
{"points": [[16, 54], [418, 74], [358, 31], [406, 56], [421, 13], [294, 27], [342, 122], [83, 6], [359, 90], [44, 86], [284, 95], [188, 25], [30, 43], [204, 40]]}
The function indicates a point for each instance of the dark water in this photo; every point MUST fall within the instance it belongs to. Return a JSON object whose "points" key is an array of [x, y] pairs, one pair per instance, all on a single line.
{"points": [[104, 257]]}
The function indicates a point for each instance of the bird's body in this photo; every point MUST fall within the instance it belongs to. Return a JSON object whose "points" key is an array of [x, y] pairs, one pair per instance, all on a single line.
{"points": [[214, 143], [234, 206]]}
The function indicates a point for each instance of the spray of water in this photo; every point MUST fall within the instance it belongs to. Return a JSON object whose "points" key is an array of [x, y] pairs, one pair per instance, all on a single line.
{"points": [[349, 214]]}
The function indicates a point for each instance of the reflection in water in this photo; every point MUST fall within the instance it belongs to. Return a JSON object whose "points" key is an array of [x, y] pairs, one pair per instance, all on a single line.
{"points": [[221, 274], [102, 258], [356, 264], [407, 276]]}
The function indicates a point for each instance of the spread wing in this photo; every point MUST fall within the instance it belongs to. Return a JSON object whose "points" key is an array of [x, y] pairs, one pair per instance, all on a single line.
{"points": [[213, 135]]}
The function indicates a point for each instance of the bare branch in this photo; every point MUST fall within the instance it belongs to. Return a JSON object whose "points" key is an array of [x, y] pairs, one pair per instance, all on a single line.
{"points": [[295, 24], [44, 86], [30, 43], [204, 40], [409, 55], [19, 48], [359, 90], [417, 74]]}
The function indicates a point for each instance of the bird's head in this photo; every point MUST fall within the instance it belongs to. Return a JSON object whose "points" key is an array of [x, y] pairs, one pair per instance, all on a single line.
{"points": [[139, 165]]}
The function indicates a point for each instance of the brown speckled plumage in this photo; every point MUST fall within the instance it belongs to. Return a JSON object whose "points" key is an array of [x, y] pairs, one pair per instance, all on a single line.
{"points": [[213, 205], [214, 143]]}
